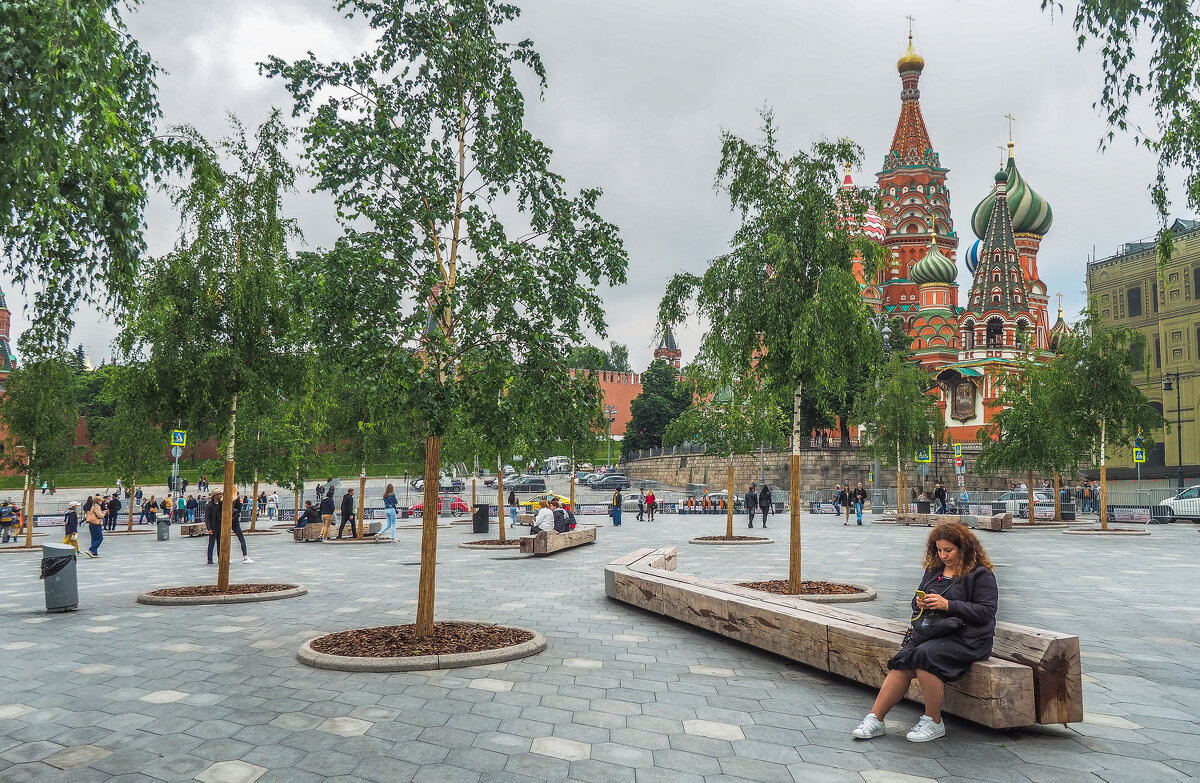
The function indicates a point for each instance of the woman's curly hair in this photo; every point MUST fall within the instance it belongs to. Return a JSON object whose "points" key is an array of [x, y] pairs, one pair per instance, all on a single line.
{"points": [[971, 553]]}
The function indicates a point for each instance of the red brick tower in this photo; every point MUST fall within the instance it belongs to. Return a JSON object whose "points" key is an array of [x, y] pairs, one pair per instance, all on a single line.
{"points": [[667, 350]]}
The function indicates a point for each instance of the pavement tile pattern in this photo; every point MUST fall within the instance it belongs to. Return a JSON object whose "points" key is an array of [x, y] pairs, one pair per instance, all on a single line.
{"points": [[121, 692]]}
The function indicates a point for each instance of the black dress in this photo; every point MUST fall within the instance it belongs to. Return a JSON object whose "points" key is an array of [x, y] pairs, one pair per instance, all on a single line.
{"points": [[973, 598]]}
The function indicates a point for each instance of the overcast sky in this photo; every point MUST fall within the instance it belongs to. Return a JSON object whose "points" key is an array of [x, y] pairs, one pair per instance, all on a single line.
{"points": [[639, 91]]}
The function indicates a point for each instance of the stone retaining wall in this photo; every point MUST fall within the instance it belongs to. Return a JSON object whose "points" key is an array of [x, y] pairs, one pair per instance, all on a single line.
{"points": [[820, 470]]}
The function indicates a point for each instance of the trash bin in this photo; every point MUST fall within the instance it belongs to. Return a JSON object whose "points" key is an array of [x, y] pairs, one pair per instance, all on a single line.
{"points": [[923, 506], [479, 520], [60, 577], [164, 527]]}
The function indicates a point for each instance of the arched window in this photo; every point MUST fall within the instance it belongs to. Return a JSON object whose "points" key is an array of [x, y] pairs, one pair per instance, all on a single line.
{"points": [[968, 335], [995, 333], [995, 275], [995, 296]]}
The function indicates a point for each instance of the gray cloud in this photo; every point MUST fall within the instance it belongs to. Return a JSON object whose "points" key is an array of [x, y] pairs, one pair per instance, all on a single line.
{"points": [[639, 92]]}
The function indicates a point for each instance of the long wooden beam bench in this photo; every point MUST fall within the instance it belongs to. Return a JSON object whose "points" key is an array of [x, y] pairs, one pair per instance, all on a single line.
{"points": [[191, 529], [1033, 676], [547, 542], [993, 522]]}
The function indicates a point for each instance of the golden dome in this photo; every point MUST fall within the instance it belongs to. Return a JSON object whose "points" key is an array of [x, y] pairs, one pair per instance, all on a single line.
{"points": [[910, 60]]}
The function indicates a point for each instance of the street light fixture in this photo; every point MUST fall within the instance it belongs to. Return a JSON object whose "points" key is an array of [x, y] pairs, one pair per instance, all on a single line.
{"points": [[1167, 385], [610, 412]]}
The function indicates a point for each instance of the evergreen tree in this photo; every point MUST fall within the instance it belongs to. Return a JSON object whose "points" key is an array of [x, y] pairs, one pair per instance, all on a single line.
{"points": [[661, 400]]}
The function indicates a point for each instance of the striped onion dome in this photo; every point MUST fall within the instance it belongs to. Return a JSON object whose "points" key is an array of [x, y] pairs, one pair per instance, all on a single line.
{"points": [[1031, 214], [934, 267], [971, 256], [870, 225]]}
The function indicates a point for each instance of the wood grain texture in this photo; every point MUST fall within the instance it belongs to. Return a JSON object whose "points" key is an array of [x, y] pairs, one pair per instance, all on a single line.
{"points": [[547, 542]]}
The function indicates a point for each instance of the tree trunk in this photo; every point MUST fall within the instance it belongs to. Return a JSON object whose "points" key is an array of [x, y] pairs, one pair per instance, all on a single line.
{"points": [[254, 501], [472, 494], [295, 500], [1057, 496], [573, 481], [899, 481], [227, 503], [429, 522], [132, 495], [729, 513], [794, 582], [1029, 497], [500, 494], [27, 506], [359, 523], [1103, 478]]}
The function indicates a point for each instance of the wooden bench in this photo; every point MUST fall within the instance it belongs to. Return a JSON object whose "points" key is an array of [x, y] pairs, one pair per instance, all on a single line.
{"points": [[193, 529], [1033, 676], [993, 522], [547, 542], [525, 519], [310, 532]]}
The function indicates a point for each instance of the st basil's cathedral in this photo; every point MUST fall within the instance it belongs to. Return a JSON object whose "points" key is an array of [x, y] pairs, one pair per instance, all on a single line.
{"points": [[1007, 305]]}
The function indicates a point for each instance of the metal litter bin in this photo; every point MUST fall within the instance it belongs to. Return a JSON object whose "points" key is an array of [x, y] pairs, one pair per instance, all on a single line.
{"points": [[60, 577], [479, 519], [164, 527]]}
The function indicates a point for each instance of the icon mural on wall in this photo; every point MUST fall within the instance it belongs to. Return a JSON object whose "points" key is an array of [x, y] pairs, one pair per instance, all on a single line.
{"points": [[963, 407]]}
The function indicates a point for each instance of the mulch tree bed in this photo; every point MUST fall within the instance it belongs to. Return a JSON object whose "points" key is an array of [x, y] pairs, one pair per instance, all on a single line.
{"points": [[730, 538], [493, 542], [399, 641], [207, 590], [780, 586], [21, 548]]}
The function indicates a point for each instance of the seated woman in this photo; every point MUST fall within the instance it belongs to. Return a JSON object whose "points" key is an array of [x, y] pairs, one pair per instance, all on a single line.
{"points": [[544, 519], [958, 582]]}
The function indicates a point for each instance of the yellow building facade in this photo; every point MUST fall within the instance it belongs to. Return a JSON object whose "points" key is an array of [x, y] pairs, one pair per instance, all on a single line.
{"points": [[1129, 292]]}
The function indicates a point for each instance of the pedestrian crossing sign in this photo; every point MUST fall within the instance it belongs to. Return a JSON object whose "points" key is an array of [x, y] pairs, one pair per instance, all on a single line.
{"points": [[958, 449], [1139, 455], [178, 437], [925, 454]]}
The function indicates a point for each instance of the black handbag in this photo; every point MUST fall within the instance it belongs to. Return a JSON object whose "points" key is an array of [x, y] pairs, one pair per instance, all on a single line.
{"points": [[933, 624]]}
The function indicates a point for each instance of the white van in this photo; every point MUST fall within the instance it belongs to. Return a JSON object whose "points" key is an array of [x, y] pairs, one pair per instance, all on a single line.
{"points": [[557, 464]]}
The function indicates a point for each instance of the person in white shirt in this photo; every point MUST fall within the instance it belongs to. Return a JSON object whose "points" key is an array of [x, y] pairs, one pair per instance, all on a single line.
{"points": [[544, 519], [272, 504]]}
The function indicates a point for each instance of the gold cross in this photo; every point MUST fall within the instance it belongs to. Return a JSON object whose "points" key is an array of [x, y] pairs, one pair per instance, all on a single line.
{"points": [[1060, 300], [1001, 148], [910, 24], [1011, 119]]}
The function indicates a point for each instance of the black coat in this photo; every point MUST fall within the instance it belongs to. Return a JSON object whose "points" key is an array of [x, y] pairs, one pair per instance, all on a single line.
{"points": [[114, 506], [347, 504], [764, 498], [212, 516], [327, 505], [72, 522]]}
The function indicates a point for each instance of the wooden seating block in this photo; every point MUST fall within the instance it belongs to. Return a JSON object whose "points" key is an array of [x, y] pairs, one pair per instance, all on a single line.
{"points": [[307, 533], [525, 519], [547, 542], [193, 529], [1033, 676]]}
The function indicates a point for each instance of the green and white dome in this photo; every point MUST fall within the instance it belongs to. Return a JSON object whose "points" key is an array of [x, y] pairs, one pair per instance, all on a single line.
{"points": [[1031, 214], [934, 267]]}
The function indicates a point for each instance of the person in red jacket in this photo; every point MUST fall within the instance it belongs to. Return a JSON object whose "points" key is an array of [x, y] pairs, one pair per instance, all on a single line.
{"points": [[650, 504]]}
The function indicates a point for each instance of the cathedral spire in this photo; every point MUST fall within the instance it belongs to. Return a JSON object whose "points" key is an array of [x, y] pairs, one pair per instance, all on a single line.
{"points": [[910, 144], [999, 279]]}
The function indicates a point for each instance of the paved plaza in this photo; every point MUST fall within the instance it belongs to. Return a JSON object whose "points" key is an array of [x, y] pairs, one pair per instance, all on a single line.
{"points": [[117, 691]]}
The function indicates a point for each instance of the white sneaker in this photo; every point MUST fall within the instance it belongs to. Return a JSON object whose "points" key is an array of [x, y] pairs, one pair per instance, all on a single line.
{"points": [[247, 560], [870, 727], [926, 730]]}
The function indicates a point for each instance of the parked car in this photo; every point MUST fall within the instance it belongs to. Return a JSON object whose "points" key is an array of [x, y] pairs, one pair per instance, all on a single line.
{"points": [[445, 484], [528, 484], [530, 506], [458, 507], [1185, 505], [1017, 502], [723, 495], [611, 481]]}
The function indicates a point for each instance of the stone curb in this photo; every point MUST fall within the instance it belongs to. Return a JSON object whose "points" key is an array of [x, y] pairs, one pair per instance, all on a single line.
{"points": [[480, 547], [867, 594], [732, 543], [34, 548], [1029, 528], [134, 532], [420, 527], [261, 532], [199, 600], [1106, 532], [346, 663], [365, 540]]}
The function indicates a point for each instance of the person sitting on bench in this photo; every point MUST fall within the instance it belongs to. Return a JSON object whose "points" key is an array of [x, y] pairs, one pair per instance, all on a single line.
{"points": [[309, 516], [563, 521], [544, 519]]}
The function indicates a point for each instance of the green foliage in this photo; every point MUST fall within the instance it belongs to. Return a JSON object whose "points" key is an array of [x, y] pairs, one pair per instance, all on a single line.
{"points": [[1148, 50], [126, 441], [589, 357], [730, 415], [1025, 433], [1097, 394], [662, 399], [38, 410], [77, 119], [423, 160], [213, 322], [896, 412], [784, 299]]}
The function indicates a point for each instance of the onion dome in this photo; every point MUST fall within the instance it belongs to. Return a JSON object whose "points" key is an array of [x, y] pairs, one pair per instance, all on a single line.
{"points": [[910, 60], [971, 256], [1031, 214], [869, 225], [934, 267]]}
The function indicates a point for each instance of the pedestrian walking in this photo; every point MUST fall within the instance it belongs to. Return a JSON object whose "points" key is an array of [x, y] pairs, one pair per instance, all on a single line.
{"points": [[751, 501], [71, 527], [512, 506], [150, 510], [617, 500], [273, 504], [6, 520], [390, 504], [764, 503], [347, 513], [94, 515], [212, 519], [326, 513], [860, 497], [844, 503], [939, 494], [190, 506], [641, 504], [53, 487], [651, 504], [45, 486]]}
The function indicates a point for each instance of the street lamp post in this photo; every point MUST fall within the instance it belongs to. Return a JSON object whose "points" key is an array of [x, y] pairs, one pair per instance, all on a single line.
{"points": [[1178, 422], [610, 412]]}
